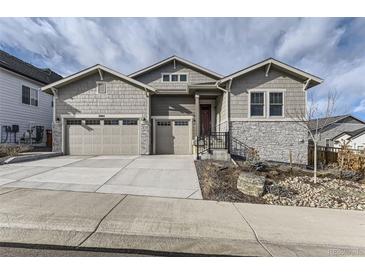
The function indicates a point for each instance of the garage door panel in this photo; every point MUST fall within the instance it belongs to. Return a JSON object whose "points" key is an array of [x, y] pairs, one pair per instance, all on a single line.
{"points": [[95, 138], [173, 137], [181, 135]]}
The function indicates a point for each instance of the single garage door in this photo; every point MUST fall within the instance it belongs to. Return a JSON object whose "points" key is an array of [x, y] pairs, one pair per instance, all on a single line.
{"points": [[102, 136], [173, 137]]}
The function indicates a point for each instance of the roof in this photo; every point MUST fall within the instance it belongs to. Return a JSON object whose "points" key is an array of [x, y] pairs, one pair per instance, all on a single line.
{"points": [[11, 63], [179, 59], [314, 80], [324, 122], [91, 70], [352, 134]]}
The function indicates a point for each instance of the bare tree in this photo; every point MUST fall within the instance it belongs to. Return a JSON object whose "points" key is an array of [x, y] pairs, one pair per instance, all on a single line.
{"points": [[315, 118]]}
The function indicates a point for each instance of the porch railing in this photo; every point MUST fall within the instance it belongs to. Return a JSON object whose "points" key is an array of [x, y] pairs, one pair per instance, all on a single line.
{"points": [[214, 140]]}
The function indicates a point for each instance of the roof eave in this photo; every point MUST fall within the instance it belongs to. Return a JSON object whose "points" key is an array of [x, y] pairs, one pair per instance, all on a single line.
{"points": [[179, 59], [313, 79], [75, 76]]}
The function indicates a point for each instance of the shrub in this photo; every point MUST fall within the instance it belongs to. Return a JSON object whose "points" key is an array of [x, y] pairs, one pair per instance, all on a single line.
{"points": [[349, 159], [12, 149]]}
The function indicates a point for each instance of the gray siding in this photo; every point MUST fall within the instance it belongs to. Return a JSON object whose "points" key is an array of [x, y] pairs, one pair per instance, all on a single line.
{"points": [[172, 105], [14, 112], [294, 97], [221, 113], [153, 77], [81, 97]]}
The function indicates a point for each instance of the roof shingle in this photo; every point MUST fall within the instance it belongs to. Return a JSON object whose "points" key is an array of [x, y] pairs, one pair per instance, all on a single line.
{"points": [[10, 62]]}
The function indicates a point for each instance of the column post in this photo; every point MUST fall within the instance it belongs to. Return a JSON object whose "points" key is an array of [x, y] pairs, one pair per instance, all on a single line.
{"points": [[197, 115]]}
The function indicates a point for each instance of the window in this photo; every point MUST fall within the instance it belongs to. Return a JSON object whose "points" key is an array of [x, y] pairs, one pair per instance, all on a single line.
{"points": [[327, 142], [111, 122], [164, 123], [29, 96], [130, 122], [257, 103], [74, 122], [174, 77], [276, 104], [92, 122], [165, 77], [183, 77], [101, 87], [181, 123]]}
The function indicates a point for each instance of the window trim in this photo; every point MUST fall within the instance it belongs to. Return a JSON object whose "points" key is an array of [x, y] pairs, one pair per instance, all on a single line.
{"points": [[266, 92], [249, 104], [268, 105], [97, 87], [178, 77], [163, 74], [30, 96]]}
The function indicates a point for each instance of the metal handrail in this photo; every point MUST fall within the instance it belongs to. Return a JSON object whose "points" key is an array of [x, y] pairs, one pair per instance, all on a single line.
{"points": [[213, 140]]}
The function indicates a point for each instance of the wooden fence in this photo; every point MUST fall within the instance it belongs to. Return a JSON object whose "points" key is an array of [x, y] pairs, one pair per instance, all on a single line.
{"points": [[325, 155]]}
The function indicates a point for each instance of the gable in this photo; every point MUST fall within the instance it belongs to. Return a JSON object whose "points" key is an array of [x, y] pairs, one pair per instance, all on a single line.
{"points": [[153, 77], [294, 96], [81, 97]]}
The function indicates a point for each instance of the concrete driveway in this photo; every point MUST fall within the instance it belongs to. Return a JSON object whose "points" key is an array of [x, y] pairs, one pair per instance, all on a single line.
{"points": [[156, 175]]}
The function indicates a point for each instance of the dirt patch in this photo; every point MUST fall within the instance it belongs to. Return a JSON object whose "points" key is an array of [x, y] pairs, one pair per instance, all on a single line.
{"points": [[218, 181]]}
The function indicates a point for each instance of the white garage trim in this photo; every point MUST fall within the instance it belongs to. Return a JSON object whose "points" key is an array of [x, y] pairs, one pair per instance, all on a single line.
{"points": [[155, 118], [64, 117]]}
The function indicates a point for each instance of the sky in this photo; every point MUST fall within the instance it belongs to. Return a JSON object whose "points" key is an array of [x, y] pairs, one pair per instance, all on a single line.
{"points": [[331, 48]]}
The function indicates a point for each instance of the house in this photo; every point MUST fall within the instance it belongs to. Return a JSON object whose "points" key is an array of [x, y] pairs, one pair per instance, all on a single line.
{"points": [[353, 139], [335, 129], [166, 107], [25, 111]]}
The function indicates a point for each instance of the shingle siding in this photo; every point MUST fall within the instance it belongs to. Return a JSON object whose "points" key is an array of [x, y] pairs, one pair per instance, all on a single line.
{"points": [[153, 77], [82, 97], [121, 98], [294, 96]]}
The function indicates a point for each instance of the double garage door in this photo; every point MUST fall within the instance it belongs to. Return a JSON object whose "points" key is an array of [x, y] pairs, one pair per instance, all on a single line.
{"points": [[102, 136], [173, 136]]}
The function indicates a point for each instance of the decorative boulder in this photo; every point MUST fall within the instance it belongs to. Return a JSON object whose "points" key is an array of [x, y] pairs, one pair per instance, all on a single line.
{"points": [[251, 184]]}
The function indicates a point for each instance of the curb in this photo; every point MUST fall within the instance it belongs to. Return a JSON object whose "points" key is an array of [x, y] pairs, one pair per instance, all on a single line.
{"points": [[25, 158]]}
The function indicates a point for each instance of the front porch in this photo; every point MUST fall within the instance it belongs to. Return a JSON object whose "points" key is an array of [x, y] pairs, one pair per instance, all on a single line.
{"points": [[211, 138]]}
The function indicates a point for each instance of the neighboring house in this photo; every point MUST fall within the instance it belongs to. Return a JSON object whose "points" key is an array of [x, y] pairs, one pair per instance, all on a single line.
{"points": [[25, 111], [334, 129], [353, 139], [161, 109]]}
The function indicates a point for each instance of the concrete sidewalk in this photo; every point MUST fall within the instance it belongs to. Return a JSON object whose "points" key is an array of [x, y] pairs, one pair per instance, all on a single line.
{"points": [[125, 222]]}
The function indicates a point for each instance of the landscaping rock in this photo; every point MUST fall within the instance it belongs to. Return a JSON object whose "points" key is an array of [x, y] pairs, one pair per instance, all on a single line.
{"points": [[251, 184]]}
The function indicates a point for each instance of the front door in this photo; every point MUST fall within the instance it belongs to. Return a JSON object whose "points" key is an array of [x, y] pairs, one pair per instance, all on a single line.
{"points": [[205, 119]]}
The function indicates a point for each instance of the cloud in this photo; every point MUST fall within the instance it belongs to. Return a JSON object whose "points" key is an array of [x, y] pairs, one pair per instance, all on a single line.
{"points": [[331, 48]]}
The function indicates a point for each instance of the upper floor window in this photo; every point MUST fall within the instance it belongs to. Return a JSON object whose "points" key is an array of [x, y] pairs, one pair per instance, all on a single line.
{"points": [[101, 87], [276, 104], [29, 96], [257, 103], [174, 77]]}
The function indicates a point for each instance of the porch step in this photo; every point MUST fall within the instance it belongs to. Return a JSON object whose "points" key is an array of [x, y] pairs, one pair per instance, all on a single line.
{"points": [[216, 154]]}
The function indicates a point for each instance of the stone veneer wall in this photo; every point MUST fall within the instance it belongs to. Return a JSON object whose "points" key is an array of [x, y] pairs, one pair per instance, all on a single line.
{"points": [[145, 137], [273, 140], [57, 137]]}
